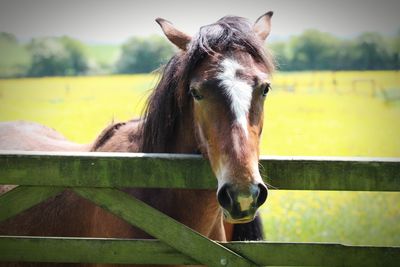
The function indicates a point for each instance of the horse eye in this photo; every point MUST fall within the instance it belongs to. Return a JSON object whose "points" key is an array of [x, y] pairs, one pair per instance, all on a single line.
{"points": [[195, 94], [266, 89]]}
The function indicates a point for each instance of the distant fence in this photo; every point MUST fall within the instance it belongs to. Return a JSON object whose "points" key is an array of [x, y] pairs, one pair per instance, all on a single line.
{"points": [[95, 176], [387, 89]]}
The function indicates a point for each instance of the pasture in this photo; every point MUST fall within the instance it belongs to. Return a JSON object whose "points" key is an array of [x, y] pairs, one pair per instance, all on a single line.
{"points": [[319, 113]]}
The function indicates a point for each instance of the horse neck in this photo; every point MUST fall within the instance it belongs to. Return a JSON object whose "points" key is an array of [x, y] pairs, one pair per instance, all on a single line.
{"points": [[187, 204], [184, 140]]}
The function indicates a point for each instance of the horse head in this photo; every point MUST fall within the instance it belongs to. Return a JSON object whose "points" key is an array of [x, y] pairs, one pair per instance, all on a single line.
{"points": [[225, 81]]}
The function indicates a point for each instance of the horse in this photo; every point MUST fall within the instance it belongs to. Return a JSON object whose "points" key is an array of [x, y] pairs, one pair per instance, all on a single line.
{"points": [[209, 101]]}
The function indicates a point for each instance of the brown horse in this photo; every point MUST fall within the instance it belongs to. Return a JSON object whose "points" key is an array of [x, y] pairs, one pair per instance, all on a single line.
{"points": [[209, 100]]}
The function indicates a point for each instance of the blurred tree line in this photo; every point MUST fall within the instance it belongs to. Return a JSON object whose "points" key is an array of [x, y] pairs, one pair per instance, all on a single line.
{"points": [[315, 50], [57, 57], [65, 56], [143, 55], [311, 50]]}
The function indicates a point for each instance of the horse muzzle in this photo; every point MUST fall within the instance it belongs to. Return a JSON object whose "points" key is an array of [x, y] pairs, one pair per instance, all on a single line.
{"points": [[240, 204]]}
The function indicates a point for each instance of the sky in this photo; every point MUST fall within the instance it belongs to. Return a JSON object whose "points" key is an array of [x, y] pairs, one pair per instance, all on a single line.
{"points": [[97, 21]]}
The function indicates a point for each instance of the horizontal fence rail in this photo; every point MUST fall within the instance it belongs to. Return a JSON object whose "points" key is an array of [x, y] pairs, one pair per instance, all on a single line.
{"points": [[122, 251], [95, 176], [95, 169]]}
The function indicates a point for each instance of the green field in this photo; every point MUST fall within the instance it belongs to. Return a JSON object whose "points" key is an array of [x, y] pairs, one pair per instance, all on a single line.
{"points": [[309, 113]]}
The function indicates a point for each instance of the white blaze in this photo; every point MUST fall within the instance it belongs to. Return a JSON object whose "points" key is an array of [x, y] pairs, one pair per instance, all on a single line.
{"points": [[238, 91], [222, 174]]}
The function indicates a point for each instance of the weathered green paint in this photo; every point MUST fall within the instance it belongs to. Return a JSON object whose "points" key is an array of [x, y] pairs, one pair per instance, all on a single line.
{"points": [[89, 250], [22, 198], [333, 173], [181, 245], [101, 250], [316, 254], [162, 227], [191, 171], [106, 170]]}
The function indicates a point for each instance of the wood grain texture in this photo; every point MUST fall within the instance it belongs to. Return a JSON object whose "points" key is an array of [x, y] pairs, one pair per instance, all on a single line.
{"points": [[191, 171], [124, 251], [162, 227]]}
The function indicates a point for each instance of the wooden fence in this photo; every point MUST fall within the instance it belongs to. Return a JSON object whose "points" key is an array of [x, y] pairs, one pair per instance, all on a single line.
{"points": [[95, 176]]}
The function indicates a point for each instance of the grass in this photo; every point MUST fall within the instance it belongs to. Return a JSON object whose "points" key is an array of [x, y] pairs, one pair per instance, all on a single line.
{"points": [[356, 218], [306, 114], [78, 107]]}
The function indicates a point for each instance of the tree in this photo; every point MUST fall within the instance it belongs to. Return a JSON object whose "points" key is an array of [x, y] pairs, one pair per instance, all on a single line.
{"points": [[344, 59], [313, 50], [8, 37], [370, 52], [280, 52], [57, 57], [395, 51], [15, 59], [78, 63], [143, 55]]}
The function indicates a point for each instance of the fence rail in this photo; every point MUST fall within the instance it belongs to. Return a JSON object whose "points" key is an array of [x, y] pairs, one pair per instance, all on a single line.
{"points": [[99, 169], [123, 251], [96, 175]]}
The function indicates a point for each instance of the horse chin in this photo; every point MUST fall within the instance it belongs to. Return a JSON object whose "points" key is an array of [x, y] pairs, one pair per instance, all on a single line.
{"points": [[237, 220]]}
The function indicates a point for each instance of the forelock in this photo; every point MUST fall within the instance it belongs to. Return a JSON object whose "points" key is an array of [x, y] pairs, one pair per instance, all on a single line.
{"points": [[227, 35]]}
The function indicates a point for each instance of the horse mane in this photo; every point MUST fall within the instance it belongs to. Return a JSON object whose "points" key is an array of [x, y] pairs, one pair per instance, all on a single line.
{"points": [[170, 100]]}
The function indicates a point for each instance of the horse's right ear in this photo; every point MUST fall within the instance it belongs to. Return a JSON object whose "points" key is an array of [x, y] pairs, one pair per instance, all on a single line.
{"points": [[178, 38]]}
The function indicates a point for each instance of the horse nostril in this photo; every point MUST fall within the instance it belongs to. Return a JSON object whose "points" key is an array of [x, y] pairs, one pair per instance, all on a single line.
{"points": [[225, 197], [262, 195]]}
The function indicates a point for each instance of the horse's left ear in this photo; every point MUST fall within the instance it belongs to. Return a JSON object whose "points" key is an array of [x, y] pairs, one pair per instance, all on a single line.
{"points": [[262, 26], [178, 38]]}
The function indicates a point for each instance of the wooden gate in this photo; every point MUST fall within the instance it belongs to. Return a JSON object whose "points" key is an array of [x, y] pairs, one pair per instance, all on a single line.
{"points": [[96, 177]]}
